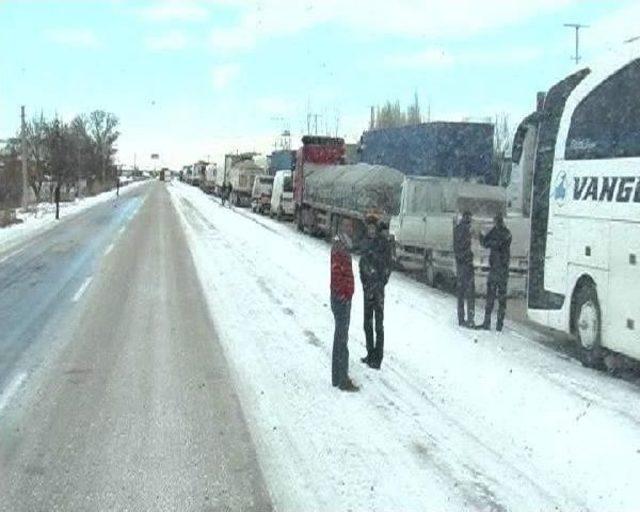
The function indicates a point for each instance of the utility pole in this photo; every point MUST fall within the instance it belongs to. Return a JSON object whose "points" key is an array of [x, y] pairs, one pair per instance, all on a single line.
{"points": [[577, 27], [24, 157]]}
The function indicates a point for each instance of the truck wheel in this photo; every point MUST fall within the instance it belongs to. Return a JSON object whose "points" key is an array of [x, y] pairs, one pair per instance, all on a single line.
{"points": [[587, 326]]}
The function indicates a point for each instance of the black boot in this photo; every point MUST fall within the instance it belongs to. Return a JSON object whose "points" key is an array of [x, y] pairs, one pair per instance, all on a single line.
{"points": [[485, 326]]}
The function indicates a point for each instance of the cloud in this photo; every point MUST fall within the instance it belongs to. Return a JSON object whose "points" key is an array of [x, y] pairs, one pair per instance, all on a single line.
{"points": [[612, 30], [173, 40], [275, 106], [79, 37], [439, 57], [222, 76], [175, 10], [422, 19], [428, 58]]}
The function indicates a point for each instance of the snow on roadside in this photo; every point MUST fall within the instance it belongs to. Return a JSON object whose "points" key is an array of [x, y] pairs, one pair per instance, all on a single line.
{"points": [[44, 216], [456, 420]]}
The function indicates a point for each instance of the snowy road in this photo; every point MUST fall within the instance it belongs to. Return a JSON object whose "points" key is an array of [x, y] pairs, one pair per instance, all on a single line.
{"points": [[454, 421], [117, 396]]}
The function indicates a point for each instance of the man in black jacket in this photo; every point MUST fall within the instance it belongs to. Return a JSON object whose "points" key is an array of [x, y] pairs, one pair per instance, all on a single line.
{"points": [[465, 278], [498, 241], [375, 269]]}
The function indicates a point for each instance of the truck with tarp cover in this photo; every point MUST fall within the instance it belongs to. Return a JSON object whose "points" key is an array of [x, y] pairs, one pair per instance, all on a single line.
{"points": [[326, 190]]}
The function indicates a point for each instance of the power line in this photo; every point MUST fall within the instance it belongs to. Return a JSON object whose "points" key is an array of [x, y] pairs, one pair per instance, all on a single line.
{"points": [[577, 27]]}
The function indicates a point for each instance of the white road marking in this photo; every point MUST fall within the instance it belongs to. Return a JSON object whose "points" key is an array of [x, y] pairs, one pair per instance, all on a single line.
{"points": [[121, 230], [11, 255], [82, 289], [109, 249], [11, 389]]}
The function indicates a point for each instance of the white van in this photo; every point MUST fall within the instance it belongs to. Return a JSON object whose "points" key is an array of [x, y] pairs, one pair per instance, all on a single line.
{"points": [[282, 195], [261, 194]]}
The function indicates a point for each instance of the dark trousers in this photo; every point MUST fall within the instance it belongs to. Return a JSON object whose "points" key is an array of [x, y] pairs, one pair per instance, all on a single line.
{"points": [[466, 290], [340, 358], [496, 288], [374, 308]]}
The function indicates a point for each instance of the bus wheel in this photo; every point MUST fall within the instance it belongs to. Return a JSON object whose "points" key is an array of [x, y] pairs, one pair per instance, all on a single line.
{"points": [[587, 325]]}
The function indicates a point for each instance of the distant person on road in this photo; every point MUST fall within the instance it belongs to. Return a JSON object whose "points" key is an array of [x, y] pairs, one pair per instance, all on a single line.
{"points": [[341, 293], [229, 191], [224, 192], [56, 194], [465, 277], [375, 269], [117, 186], [498, 241]]}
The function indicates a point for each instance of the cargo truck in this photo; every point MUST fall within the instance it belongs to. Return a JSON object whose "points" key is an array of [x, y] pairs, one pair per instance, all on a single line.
{"points": [[327, 191], [241, 176], [208, 184]]}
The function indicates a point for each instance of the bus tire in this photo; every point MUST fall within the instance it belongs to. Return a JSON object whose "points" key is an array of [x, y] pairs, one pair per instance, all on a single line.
{"points": [[587, 326]]}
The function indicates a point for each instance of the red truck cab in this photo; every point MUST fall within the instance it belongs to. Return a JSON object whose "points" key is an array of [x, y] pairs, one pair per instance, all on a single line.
{"points": [[315, 150]]}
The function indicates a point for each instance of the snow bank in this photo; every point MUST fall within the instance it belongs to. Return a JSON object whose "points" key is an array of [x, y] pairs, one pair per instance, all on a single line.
{"points": [[44, 216], [455, 420]]}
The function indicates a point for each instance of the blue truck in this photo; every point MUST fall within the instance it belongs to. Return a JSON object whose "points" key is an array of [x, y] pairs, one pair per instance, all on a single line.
{"points": [[461, 150]]}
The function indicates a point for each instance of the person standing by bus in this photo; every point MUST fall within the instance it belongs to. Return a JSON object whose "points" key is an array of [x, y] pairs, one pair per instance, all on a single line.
{"points": [[465, 277], [498, 241], [342, 287], [375, 269]]}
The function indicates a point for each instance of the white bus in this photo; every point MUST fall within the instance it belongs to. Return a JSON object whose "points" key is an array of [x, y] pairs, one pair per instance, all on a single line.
{"points": [[584, 268]]}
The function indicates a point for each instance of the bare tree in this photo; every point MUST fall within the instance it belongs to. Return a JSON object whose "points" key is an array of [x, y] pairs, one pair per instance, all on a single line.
{"points": [[391, 115], [36, 133], [502, 133], [102, 127], [59, 152], [413, 111]]}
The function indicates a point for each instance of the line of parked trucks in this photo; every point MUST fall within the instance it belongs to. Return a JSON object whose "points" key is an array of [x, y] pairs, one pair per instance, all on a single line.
{"points": [[570, 194], [416, 178], [248, 183]]}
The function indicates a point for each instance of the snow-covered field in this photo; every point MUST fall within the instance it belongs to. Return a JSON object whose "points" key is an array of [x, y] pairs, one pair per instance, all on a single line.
{"points": [[455, 420], [42, 217]]}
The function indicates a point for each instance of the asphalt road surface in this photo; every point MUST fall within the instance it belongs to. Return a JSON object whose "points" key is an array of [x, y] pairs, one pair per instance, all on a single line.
{"points": [[114, 391]]}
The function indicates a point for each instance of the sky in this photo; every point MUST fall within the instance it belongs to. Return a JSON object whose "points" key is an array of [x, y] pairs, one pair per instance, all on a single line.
{"points": [[194, 79]]}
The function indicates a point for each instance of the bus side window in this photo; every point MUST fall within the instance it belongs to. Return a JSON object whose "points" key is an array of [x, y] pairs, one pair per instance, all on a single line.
{"points": [[606, 123]]}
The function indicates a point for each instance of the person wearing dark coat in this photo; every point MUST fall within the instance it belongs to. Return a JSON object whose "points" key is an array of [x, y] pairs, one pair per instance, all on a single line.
{"points": [[56, 194], [465, 277], [375, 269], [498, 241]]}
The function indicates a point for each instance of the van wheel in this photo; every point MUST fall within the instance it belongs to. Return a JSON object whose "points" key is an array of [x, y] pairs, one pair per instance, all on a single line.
{"points": [[587, 326]]}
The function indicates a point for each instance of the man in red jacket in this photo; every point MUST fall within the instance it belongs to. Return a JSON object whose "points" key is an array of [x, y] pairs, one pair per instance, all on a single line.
{"points": [[341, 293]]}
